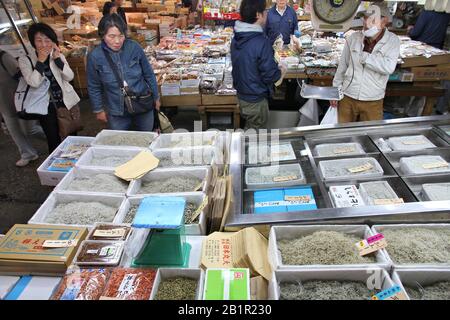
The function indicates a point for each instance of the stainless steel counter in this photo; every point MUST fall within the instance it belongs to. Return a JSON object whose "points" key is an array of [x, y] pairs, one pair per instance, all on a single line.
{"points": [[406, 186]]}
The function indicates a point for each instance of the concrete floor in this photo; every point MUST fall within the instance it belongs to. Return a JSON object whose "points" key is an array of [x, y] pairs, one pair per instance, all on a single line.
{"points": [[21, 193]]}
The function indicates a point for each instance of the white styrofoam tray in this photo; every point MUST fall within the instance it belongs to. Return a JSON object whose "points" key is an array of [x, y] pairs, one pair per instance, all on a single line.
{"points": [[185, 139], [202, 173], [52, 178], [56, 198], [64, 185], [191, 273], [190, 229], [331, 149], [424, 277], [380, 228], [106, 133], [293, 232], [94, 152], [343, 166], [372, 276], [272, 172]]}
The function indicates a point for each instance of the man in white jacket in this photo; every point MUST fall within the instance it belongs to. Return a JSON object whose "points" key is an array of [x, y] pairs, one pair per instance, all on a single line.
{"points": [[368, 59]]}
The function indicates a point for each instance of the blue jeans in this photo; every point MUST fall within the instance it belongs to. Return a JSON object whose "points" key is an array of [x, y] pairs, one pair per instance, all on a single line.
{"points": [[140, 122]]}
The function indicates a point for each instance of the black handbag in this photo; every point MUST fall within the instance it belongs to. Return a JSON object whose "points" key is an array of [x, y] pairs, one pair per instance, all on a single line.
{"points": [[136, 104]]}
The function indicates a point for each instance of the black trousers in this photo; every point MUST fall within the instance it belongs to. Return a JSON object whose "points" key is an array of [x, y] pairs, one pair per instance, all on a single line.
{"points": [[49, 124]]}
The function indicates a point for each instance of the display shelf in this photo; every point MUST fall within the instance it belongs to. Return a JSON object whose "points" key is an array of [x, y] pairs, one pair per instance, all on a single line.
{"points": [[304, 140]]}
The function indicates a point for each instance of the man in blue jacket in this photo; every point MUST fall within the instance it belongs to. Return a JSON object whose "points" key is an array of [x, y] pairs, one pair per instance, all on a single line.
{"points": [[431, 28], [254, 67], [281, 19]]}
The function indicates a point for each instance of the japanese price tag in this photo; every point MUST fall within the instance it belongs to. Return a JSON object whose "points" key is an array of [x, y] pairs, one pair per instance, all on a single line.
{"points": [[113, 233], [284, 178], [371, 244], [342, 150], [302, 199], [435, 165], [394, 293], [60, 243], [383, 202], [199, 209], [200, 185], [364, 167], [413, 142]]}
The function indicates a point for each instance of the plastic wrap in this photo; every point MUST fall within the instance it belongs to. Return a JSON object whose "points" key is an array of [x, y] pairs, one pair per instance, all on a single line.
{"points": [[275, 176], [410, 143], [130, 284], [436, 191], [338, 149], [110, 232], [419, 165], [82, 284], [350, 169], [105, 253], [377, 190]]}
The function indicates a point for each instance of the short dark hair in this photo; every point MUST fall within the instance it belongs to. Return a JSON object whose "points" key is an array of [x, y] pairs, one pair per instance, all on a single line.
{"points": [[44, 29], [111, 20], [249, 9]]}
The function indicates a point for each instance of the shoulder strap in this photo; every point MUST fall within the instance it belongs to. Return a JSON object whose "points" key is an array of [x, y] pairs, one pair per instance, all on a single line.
{"points": [[114, 68]]}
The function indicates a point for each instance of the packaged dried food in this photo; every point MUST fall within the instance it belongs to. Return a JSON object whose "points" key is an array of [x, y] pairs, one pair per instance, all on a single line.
{"points": [[105, 231], [338, 149], [348, 169], [325, 290], [410, 143], [82, 284], [419, 165], [275, 176], [130, 284], [436, 191], [177, 288], [107, 253], [377, 190]]}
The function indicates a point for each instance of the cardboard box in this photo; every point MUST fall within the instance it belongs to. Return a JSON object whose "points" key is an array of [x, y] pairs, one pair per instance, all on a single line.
{"points": [[259, 288], [431, 74], [21, 250], [245, 248]]}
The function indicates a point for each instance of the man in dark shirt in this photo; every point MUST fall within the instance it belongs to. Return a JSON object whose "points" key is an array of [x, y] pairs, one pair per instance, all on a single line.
{"points": [[115, 6], [431, 28]]}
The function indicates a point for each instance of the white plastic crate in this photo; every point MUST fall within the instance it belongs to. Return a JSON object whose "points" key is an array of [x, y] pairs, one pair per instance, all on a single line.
{"points": [[381, 228], [87, 159], [286, 175], [338, 149], [201, 173], [340, 169], [293, 232], [363, 275], [56, 198], [376, 190], [189, 157], [64, 185], [167, 273], [410, 143], [107, 133], [419, 277], [52, 178], [422, 165], [185, 140], [436, 191]]}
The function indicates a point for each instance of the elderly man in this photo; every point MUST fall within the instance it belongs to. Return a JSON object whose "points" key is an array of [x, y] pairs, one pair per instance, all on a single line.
{"points": [[368, 59], [281, 19]]}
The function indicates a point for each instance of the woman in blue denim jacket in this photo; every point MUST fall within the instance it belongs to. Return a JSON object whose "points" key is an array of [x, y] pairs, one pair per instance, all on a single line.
{"points": [[104, 90]]}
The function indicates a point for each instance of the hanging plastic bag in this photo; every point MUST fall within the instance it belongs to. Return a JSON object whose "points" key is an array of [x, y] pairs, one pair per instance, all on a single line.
{"points": [[331, 117]]}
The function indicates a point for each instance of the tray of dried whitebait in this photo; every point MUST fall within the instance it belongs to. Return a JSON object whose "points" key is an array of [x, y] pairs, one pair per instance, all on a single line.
{"points": [[436, 191], [332, 284], [105, 157], [377, 193], [303, 247], [274, 176], [410, 143], [416, 245], [77, 209], [118, 138], [178, 284], [422, 165], [348, 169], [424, 284], [338, 149]]}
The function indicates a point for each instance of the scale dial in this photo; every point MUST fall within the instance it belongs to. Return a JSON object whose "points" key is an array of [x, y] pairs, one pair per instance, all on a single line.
{"points": [[335, 11]]}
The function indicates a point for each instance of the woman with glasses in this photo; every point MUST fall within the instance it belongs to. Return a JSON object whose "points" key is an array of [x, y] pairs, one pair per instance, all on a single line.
{"points": [[115, 68]]}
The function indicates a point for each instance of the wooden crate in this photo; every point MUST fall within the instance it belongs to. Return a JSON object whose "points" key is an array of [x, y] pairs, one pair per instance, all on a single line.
{"points": [[422, 61], [211, 99]]}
